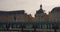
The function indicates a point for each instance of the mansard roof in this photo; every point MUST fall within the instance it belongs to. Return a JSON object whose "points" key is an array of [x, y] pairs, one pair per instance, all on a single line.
{"points": [[12, 12], [56, 9]]}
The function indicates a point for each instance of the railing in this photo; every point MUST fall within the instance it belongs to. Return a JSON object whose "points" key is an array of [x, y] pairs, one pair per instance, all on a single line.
{"points": [[35, 26]]}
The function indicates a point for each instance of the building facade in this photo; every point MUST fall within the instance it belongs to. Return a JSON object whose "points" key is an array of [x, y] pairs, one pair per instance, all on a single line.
{"points": [[54, 15], [20, 15], [41, 16], [20, 20]]}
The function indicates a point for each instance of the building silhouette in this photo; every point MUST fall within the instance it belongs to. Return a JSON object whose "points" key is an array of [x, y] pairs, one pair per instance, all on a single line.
{"points": [[19, 19], [20, 15]]}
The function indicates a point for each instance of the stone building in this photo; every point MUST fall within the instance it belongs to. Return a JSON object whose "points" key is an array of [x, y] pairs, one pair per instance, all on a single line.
{"points": [[13, 20], [24, 17], [16, 16], [54, 15], [6, 16], [40, 15], [21, 16], [9, 16]]}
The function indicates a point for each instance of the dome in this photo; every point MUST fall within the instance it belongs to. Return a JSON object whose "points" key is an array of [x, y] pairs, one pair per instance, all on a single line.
{"points": [[39, 11], [56, 9]]}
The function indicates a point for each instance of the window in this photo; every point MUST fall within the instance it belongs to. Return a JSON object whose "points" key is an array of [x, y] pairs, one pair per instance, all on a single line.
{"points": [[49, 26], [44, 26], [40, 26], [28, 26], [3, 26], [14, 26]]}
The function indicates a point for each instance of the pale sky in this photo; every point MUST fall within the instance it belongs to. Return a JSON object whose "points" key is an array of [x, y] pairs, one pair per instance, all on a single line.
{"points": [[30, 6]]}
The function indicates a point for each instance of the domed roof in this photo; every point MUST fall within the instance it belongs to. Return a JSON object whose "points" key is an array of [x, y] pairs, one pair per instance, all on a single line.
{"points": [[39, 11], [57, 9]]}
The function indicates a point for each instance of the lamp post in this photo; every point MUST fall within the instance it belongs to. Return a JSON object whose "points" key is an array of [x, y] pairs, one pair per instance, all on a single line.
{"points": [[22, 27], [7, 26], [55, 27], [34, 26]]}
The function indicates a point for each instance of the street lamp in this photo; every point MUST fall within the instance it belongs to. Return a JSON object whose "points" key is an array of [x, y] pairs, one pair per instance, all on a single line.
{"points": [[55, 27]]}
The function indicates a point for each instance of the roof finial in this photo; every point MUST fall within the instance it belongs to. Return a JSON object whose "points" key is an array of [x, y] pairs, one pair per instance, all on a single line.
{"points": [[41, 6]]}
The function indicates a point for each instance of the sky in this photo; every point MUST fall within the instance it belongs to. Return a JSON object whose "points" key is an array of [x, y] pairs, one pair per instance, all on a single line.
{"points": [[30, 6]]}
